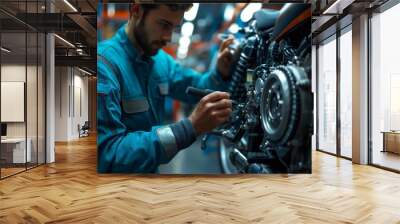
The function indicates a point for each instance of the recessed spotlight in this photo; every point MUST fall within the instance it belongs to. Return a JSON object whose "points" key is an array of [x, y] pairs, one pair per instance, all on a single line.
{"points": [[5, 50]]}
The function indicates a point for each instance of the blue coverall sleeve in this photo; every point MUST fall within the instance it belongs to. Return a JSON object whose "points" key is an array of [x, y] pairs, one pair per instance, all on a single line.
{"points": [[120, 150], [181, 78]]}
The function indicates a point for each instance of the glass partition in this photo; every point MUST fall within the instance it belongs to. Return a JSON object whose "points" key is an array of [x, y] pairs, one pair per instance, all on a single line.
{"points": [[14, 151], [22, 88], [385, 89], [327, 96]]}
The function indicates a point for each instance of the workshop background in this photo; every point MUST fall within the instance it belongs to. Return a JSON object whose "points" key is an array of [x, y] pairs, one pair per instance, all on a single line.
{"points": [[195, 46]]}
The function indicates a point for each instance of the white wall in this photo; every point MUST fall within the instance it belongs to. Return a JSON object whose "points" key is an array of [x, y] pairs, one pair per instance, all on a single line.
{"points": [[70, 83], [12, 73], [61, 103], [80, 100]]}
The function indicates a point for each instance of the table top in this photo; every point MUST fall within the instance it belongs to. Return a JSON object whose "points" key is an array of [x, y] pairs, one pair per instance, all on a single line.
{"points": [[391, 132], [13, 140]]}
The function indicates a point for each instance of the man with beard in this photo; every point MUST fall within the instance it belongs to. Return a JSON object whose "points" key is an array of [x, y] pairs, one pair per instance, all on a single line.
{"points": [[134, 76]]}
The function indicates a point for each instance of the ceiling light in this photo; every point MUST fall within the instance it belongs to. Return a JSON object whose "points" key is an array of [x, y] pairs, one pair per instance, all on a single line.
{"points": [[111, 10], [187, 29], [333, 6], [192, 13], [5, 50], [65, 41], [84, 71], [182, 53], [234, 28], [337, 7], [70, 5], [184, 42], [229, 12], [248, 12], [183, 48]]}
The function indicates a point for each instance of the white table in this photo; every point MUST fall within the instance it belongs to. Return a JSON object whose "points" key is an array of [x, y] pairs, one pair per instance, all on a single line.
{"points": [[18, 149]]}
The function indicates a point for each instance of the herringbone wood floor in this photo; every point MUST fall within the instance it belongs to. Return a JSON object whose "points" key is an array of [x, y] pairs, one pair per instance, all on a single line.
{"points": [[70, 191]]}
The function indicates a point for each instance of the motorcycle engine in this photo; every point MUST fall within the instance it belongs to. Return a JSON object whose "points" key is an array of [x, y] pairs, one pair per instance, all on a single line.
{"points": [[271, 126]]}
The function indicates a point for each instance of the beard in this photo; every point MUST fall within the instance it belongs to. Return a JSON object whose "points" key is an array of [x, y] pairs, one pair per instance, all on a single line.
{"points": [[150, 48]]}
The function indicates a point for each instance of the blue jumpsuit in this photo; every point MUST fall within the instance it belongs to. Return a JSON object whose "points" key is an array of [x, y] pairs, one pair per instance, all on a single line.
{"points": [[130, 95]]}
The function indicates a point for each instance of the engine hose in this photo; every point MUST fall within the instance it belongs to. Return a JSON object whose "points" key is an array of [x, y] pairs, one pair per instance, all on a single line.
{"points": [[304, 46], [237, 88], [237, 85], [289, 53]]}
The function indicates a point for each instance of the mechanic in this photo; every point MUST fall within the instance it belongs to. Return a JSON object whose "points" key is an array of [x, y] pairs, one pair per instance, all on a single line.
{"points": [[135, 75]]}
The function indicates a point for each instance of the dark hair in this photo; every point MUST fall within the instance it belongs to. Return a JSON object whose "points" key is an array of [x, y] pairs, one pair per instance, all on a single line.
{"points": [[174, 7]]}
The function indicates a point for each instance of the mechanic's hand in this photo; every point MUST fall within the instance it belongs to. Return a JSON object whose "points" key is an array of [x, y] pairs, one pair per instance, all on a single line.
{"points": [[212, 110], [225, 57]]}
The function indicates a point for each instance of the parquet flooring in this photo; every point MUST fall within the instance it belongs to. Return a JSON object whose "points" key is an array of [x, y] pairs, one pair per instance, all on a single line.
{"points": [[10, 171], [70, 191]]}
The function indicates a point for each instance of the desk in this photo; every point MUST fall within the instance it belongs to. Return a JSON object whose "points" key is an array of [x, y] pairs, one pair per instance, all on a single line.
{"points": [[391, 141], [13, 150]]}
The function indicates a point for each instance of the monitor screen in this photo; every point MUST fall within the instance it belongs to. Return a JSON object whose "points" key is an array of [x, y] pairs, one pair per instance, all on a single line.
{"points": [[3, 129]]}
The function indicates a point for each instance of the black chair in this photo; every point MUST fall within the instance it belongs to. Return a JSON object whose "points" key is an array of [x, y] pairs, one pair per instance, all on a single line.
{"points": [[84, 130]]}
